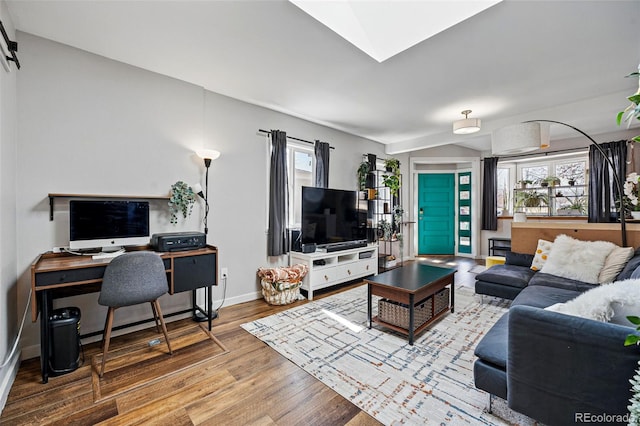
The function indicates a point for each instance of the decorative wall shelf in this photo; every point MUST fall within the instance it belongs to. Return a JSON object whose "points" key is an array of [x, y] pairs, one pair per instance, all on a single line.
{"points": [[52, 197]]}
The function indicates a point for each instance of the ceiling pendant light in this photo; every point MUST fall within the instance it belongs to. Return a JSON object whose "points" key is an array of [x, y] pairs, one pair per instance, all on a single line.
{"points": [[467, 125]]}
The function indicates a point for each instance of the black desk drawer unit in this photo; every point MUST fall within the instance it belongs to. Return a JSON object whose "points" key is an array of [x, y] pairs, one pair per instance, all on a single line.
{"points": [[190, 273], [69, 276], [80, 274]]}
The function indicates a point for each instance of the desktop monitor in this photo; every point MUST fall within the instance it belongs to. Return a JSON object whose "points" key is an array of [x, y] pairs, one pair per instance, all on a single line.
{"points": [[108, 225]]}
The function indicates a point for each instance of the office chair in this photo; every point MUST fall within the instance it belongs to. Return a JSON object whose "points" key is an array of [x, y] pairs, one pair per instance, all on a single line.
{"points": [[131, 279]]}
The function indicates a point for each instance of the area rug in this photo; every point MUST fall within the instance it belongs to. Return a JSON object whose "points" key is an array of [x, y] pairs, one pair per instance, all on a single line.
{"points": [[138, 363], [430, 382], [476, 269]]}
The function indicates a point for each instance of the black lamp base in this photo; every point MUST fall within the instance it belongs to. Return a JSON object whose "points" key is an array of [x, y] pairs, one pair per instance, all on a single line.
{"points": [[200, 317]]}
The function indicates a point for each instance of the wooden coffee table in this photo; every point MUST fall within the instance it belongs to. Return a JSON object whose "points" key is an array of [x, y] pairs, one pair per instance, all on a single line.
{"points": [[410, 285]]}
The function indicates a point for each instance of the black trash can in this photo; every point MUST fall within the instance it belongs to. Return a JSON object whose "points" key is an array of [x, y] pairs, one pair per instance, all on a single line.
{"points": [[64, 349]]}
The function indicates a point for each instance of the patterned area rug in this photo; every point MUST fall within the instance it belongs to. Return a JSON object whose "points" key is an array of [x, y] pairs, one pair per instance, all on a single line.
{"points": [[430, 382], [476, 269]]}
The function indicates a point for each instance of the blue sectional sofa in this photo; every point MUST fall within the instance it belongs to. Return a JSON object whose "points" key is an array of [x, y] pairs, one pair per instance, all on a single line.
{"points": [[551, 366]]}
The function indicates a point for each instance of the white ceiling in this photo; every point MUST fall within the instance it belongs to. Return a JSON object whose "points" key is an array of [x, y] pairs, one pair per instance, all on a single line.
{"points": [[517, 60]]}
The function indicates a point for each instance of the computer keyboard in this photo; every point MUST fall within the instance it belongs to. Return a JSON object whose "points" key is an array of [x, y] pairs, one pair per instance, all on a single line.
{"points": [[108, 255]]}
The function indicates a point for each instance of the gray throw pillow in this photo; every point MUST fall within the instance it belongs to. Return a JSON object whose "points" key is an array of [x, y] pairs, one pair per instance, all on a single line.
{"points": [[518, 259], [630, 267]]}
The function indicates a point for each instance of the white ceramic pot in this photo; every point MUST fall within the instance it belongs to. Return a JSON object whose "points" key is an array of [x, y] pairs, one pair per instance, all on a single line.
{"points": [[521, 217]]}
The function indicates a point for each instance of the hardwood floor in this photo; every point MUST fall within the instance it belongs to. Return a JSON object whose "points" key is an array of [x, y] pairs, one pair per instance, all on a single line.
{"points": [[251, 384]]}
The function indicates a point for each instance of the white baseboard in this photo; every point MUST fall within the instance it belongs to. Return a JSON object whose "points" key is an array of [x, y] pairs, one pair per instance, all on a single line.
{"points": [[7, 377]]}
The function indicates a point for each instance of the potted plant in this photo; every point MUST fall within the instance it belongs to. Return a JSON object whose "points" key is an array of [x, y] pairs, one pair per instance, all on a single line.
{"points": [[363, 172], [632, 111], [576, 207], [523, 183], [530, 199], [392, 182], [181, 201], [392, 165], [632, 194], [634, 408], [384, 229], [550, 181]]}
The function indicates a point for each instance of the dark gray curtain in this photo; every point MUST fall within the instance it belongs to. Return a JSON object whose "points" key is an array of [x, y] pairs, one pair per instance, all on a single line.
{"points": [[602, 187], [277, 238], [490, 195], [322, 164]]}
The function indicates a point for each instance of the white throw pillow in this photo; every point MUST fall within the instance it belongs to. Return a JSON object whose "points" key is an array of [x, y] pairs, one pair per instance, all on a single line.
{"points": [[608, 303], [541, 255], [614, 263], [576, 259]]}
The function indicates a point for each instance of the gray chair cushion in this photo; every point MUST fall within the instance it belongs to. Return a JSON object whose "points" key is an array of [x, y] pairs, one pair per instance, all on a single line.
{"points": [[511, 275], [133, 278]]}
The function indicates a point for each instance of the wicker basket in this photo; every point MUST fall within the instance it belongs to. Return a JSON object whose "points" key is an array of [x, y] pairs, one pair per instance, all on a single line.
{"points": [[398, 313], [441, 301], [281, 292], [281, 285]]}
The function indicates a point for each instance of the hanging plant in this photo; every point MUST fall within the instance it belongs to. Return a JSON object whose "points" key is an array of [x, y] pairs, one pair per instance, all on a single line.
{"points": [[363, 171], [181, 201]]}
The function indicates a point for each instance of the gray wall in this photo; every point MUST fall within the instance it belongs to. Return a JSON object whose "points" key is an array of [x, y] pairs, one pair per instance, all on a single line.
{"points": [[91, 125], [8, 241]]}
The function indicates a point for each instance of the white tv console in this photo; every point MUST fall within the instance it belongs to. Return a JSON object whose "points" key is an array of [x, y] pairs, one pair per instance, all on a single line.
{"points": [[327, 269]]}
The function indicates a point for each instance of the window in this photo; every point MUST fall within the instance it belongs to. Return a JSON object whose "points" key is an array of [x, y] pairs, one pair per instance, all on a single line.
{"points": [[300, 166], [570, 171], [504, 190]]}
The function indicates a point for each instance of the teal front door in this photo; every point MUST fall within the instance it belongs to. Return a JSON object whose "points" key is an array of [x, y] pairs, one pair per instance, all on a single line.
{"points": [[436, 213]]}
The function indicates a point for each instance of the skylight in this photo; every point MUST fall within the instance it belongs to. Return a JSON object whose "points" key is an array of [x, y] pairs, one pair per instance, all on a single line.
{"points": [[384, 28]]}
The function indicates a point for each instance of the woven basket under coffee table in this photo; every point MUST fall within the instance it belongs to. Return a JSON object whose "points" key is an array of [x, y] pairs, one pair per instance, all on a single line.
{"points": [[414, 296]]}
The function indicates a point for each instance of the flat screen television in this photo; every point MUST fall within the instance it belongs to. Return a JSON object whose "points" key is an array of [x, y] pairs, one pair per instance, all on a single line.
{"points": [[108, 225], [332, 217]]}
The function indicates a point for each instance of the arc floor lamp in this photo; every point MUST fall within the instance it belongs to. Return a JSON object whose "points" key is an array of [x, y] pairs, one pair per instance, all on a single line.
{"points": [[503, 143]]}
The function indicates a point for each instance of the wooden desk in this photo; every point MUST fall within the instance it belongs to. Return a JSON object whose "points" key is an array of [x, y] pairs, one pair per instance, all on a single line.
{"points": [[58, 275]]}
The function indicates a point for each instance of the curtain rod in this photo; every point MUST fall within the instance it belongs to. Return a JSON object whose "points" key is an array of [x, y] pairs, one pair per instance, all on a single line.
{"points": [[291, 137], [12, 46]]}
